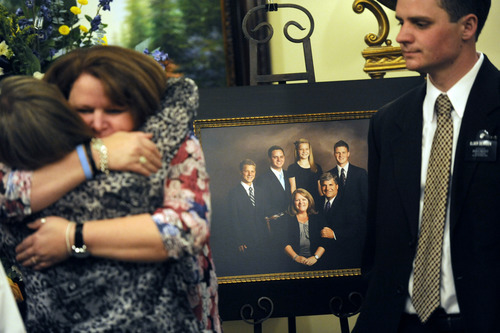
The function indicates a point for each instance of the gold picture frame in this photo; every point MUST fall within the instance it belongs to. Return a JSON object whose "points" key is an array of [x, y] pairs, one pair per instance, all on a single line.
{"points": [[223, 142]]}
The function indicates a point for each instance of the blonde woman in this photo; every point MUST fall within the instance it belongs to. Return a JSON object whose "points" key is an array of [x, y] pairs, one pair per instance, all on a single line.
{"points": [[304, 173]]}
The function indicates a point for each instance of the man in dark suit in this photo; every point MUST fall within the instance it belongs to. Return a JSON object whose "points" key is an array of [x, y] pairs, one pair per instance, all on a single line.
{"points": [[437, 37], [346, 237], [246, 216], [274, 182], [353, 183]]}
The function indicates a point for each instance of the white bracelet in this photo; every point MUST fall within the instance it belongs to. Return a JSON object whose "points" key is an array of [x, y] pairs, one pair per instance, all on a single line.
{"points": [[68, 244], [295, 257]]}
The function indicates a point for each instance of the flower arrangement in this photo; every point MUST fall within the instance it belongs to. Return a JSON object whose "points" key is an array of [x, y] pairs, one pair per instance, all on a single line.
{"points": [[34, 35]]}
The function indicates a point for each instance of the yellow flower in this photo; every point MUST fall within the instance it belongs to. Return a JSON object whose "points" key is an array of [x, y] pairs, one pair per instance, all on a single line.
{"points": [[83, 2], [103, 40], [4, 50], [84, 28], [75, 10], [15, 290], [64, 30]]}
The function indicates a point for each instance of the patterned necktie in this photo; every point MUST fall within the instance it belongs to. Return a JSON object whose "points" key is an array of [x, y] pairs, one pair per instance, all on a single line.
{"points": [[250, 194], [427, 273], [342, 176]]}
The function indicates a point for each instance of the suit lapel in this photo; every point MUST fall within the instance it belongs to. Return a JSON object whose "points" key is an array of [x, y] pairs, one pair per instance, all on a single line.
{"points": [[484, 99], [407, 152]]}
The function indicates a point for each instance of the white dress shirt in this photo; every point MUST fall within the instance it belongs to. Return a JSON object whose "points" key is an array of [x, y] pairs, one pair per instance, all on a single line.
{"points": [[458, 96]]}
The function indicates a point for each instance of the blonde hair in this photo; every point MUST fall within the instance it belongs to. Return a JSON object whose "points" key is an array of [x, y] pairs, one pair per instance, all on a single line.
{"points": [[296, 154]]}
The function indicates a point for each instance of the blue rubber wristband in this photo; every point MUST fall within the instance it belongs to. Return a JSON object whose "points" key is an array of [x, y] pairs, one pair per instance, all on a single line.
{"points": [[84, 162]]}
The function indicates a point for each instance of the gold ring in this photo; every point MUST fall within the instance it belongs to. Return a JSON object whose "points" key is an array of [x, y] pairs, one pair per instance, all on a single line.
{"points": [[143, 160], [43, 220], [33, 260]]}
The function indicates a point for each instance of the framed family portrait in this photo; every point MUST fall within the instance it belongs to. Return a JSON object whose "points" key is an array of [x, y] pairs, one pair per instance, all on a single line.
{"points": [[226, 142]]}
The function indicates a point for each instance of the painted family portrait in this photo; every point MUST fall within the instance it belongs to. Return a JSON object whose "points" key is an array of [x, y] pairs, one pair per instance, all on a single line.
{"points": [[281, 206]]}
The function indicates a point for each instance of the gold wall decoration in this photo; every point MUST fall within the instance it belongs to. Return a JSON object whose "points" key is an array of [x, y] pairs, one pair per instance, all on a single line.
{"points": [[379, 58]]}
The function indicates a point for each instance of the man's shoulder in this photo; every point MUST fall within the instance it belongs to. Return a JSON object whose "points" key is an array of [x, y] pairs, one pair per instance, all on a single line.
{"points": [[412, 97], [356, 169], [333, 171], [263, 177]]}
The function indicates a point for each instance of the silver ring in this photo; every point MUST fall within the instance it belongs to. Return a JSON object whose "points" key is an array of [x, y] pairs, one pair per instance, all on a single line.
{"points": [[143, 160], [43, 220], [33, 260]]}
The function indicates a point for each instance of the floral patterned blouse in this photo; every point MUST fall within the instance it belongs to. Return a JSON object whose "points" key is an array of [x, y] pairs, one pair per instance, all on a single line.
{"points": [[102, 295]]}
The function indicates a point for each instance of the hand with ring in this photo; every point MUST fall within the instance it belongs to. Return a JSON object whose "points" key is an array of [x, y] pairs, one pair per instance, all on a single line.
{"points": [[132, 151], [46, 246]]}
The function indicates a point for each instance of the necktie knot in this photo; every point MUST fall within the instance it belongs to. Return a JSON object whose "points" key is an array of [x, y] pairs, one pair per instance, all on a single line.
{"points": [[443, 106]]}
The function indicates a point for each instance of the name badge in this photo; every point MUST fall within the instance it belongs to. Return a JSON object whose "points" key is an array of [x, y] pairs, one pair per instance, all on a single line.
{"points": [[483, 149]]}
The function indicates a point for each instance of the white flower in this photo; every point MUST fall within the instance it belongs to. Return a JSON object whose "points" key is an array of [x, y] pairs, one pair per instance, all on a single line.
{"points": [[38, 75]]}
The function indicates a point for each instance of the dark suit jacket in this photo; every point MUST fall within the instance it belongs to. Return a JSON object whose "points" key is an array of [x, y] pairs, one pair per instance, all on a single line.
{"points": [[394, 191], [247, 220], [289, 234], [345, 250], [277, 199], [355, 190]]}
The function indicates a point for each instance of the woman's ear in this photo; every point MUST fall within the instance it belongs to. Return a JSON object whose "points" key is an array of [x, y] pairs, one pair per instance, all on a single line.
{"points": [[469, 24]]}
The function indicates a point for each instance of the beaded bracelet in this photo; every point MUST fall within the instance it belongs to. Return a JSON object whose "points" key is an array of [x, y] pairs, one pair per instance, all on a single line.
{"points": [[103, 154]]}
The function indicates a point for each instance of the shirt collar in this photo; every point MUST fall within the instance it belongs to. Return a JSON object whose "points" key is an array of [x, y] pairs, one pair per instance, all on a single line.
{"points": [[458, 94]]}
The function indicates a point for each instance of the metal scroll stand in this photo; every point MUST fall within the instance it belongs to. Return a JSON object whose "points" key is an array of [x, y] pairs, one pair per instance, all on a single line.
{"points": [[255, 77], [338, 307]]}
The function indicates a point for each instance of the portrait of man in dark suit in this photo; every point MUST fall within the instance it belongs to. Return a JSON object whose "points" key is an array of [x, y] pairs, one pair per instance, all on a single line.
{"points": [[432, 252], [274, 183], [246, 208], [353, 182], [343, 250]]}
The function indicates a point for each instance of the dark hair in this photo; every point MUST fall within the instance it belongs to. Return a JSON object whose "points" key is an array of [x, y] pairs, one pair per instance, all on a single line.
{"points": [[328, 176], [273, 148], [340, 143], [37, 125], [457, 9], [130, 78], [246, 161], [311, 207]]}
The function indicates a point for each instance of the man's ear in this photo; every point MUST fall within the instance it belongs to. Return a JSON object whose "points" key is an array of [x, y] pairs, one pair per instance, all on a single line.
{"points": [[469, 23]]}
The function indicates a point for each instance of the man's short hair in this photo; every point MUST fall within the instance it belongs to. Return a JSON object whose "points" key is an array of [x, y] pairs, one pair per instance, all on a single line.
{"points": [[273, 148], [340, 143], [328, 176], [246, 161], [457, 9]]}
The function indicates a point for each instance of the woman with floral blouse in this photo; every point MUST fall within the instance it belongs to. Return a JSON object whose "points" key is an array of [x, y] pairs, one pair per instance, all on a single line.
{"points": [[138, 256]]}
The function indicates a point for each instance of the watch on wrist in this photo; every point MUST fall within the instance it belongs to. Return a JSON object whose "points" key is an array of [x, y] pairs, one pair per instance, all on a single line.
{"points": [[316, 256], [79, 249]]}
